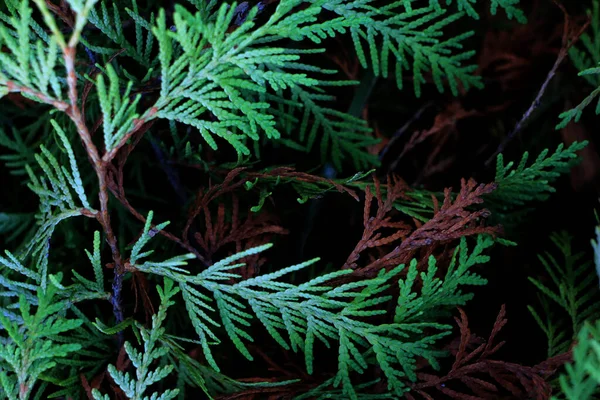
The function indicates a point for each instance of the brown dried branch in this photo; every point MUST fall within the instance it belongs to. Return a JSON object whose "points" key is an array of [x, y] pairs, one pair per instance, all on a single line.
{"points": [[63, 12], [116, 186], [290, 173], [473, 369], [204, 198], [444, 124], [372, 235], [255, 230], [451, 221]]}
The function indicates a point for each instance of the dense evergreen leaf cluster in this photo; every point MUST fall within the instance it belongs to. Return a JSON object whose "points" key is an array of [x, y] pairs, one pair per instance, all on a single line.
{"points": [[222, 87]]}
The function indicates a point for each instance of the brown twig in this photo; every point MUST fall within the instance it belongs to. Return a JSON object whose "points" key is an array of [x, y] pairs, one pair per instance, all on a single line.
{"points": [[100, 167], [58, 104], [115, 185], [568, 40], [400, 132]]}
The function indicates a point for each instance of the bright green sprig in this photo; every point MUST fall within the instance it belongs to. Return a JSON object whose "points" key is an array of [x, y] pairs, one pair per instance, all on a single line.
{"points": [[32, 348], [437, 295], [572, 286], [510, 7], [110, 23], [56, 189], [145, 376], [581, 379], [118, 110], [147, 234], [29, 65], [411, 34], [234, 77], [83, 288], [523, 184], [587, 54]]}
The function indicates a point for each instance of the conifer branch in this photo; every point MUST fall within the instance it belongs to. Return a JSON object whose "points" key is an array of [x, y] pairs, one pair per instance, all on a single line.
{"points": [[474, 360], [100, 167], [218, 72], [58, 104], [137, 125]]}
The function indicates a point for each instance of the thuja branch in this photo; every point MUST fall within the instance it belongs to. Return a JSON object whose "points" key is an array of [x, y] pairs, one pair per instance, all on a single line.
{"points": [[137, 125], [100, 167], [58, 104], [101, 163]]}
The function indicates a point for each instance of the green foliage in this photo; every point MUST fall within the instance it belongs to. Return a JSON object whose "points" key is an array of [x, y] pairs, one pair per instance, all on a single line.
{"points": [[437, 295], [509, 6], [523, 184], [516, 187], [147, 234], [587, 55], [48, 345], [110, 23], [390, 24], [230, 80], [245, 84], [118, 111], [56, 189], [246, 77], [243, 77], [34, 345], [83, 288], [142, 361], [313, 311], [581, 379], [587, 61], [30, 65], [573, 287]]}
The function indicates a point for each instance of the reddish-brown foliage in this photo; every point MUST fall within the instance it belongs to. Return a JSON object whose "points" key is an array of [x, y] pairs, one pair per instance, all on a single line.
{"points": [[443, 128], [476, 375], [219, 231], [455, 218], [372, 236]]}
